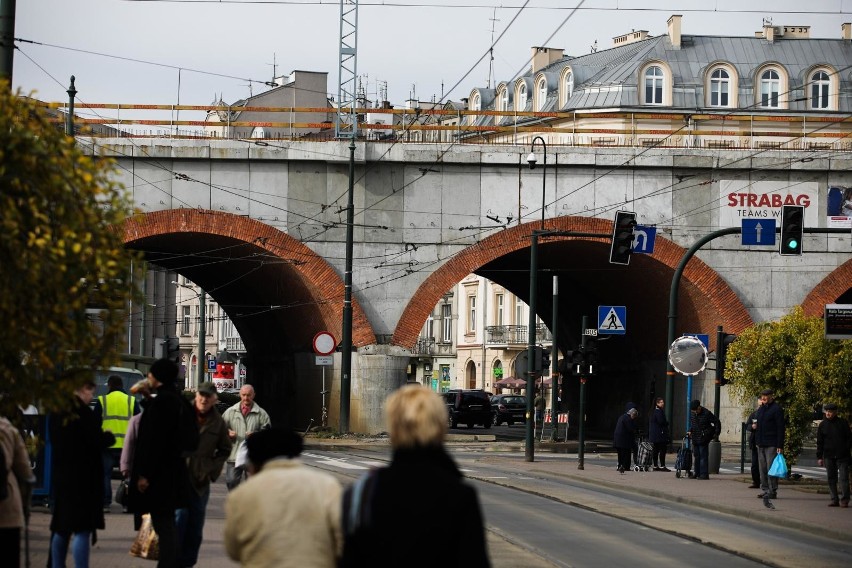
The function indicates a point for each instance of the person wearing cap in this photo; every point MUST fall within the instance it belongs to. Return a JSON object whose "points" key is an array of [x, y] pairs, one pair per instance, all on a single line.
{"points": [[703, 427], [286, 515], [205, 465], [77, 442], [159, 482], [769, 438], [833, 442], [624, 437]]}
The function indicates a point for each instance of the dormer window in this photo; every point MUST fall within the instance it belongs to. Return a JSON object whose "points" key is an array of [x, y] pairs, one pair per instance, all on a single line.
{"points": [[542, 94], [720, 87], [770, 85], [820, 90], [522, 97], [503, 100], [654, 82], [569, 86]]}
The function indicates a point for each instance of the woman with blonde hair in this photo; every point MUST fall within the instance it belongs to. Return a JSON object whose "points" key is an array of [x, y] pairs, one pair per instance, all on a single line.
{"points": [[391, 516]]}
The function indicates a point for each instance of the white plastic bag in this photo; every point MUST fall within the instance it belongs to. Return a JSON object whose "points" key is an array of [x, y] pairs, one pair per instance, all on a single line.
{"points": [[242, 455]]}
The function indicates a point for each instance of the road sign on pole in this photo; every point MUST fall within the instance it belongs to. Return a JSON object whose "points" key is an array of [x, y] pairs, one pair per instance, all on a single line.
{"points": [[612, 320], [324, 343], [644, 239], [758, 232]]}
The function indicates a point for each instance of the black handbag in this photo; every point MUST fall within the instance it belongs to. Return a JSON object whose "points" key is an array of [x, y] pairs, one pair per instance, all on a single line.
{"points": [[121, 493]]}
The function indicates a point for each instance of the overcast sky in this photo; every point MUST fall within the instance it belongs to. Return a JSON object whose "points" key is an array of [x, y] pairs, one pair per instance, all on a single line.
{"points": [[419, 48]]}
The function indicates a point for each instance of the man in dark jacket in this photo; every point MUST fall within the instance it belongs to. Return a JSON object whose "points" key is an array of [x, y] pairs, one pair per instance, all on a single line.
{"points": [[159, 479], [703, 427], [77, 443], [833, 442], [755, 465], [769, 438], [658, 434], [205, 465], [624, 437]]}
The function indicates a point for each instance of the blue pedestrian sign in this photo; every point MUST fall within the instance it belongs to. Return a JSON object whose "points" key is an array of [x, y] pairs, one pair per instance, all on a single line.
{"points": [[643, 239], [612, 320], [758, 232]]}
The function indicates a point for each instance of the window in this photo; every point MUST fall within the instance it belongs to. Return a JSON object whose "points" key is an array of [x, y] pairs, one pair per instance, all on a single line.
{"points": [[503, 100], [542, 94], [429, 328], [569, 86], [499, 312], [720, 83], [471, 311], [519, 311], [820, 85], [522, 97], [198, 319], [447, 323], [654, 85], [770, 84], [184, 330], [475, 104]]}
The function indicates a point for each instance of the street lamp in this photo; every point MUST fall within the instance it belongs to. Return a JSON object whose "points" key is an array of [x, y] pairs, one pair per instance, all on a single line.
{"points": [[529, 453], [202, 330], [531, 159]]}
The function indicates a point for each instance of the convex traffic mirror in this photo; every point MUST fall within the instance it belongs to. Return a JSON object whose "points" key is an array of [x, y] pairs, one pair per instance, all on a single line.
{"points": [[688, 355]]}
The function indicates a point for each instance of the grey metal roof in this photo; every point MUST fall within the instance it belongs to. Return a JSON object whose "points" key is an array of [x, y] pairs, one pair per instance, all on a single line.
{"points": [[610, 78]]}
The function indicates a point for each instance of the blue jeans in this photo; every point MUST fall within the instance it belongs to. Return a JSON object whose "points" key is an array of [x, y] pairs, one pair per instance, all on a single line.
{"points": [[190, 526], [702, 463], [79, 549]]}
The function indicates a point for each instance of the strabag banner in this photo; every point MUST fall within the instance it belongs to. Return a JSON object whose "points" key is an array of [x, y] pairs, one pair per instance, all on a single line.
{"points": [[744, 199]]}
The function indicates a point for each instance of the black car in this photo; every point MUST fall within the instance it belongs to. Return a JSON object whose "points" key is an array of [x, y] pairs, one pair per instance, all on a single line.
{"points": [[508, 408], [468, 407]]}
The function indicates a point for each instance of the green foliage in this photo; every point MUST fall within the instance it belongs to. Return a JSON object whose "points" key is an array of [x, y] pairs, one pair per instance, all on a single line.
{"points": [[64, 283], [792, 357]]}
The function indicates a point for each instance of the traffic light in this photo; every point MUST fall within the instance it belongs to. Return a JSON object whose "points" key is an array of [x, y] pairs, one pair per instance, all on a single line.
{"points": [[545, 360], [792, 227], [722, 342], [577, 363], [622, 237]]}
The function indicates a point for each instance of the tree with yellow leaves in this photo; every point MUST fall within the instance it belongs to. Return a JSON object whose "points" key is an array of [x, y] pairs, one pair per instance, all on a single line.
{"points": [[64, 285]]}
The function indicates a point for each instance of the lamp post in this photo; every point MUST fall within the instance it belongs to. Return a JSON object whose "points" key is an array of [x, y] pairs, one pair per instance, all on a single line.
{"points": [[529, 452], [202, 331]]}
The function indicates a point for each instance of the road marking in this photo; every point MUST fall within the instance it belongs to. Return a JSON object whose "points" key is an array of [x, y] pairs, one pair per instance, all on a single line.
{"points": [[341, 464]]}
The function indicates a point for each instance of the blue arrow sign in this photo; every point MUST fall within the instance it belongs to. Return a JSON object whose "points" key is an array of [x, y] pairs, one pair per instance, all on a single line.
{"points": [[643, 239], [758, 232], [612, 320]]}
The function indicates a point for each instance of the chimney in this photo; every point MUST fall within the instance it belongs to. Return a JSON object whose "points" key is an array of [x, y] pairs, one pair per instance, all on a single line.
{"points": [[674, 30], [544, 56], [846, 31], [769, 32]]}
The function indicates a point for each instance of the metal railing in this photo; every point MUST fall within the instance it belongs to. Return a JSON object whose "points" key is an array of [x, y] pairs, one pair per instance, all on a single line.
{"points": [[514, 334], [424, 346]]}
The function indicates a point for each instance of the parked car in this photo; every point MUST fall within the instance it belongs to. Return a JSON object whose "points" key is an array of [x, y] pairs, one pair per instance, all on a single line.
{"points": [[468, 407], [508, 408]]}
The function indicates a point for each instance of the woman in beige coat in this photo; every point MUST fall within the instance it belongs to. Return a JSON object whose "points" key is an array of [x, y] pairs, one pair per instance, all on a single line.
{"points": [[17, 464]]}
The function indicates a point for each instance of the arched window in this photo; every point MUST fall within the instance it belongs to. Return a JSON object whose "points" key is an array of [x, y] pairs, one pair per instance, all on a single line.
{"points": [[542, 94], [569, 85], [770, 85], [720, 83], [503, 100], [654, 77], [522, 97], [820, 88], [475, 104]]}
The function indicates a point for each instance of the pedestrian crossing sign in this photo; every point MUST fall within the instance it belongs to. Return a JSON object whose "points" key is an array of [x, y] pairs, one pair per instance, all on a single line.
{"points": [[612, 320]]}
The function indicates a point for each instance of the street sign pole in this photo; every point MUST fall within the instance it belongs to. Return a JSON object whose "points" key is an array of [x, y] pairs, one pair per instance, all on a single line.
{"points": [[581, 438]]}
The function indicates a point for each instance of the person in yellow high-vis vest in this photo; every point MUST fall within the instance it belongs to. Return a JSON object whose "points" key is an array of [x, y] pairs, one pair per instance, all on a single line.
{"points": [[117, 407]]}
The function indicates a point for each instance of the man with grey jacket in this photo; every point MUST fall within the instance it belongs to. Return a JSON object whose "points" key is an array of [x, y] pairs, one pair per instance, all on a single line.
{"points": [[243, 419]]}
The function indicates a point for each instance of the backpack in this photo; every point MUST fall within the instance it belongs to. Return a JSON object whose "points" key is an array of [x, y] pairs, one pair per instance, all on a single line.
{"points": [[188, 436]]}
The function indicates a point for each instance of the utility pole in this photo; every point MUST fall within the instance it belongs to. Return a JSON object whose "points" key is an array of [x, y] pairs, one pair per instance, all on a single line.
{"points": [[69, 119], [7, 39]]}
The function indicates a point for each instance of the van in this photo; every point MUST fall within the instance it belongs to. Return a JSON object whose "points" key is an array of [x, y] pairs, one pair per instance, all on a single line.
{"points": [[129, 377]]}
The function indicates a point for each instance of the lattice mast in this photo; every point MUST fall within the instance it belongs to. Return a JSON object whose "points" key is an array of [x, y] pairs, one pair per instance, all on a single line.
{"points": [[346, 124]]}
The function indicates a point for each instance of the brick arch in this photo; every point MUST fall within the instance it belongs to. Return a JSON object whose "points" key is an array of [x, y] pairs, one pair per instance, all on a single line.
{"points": [[826, 292], [723, 300], [325, 286]]}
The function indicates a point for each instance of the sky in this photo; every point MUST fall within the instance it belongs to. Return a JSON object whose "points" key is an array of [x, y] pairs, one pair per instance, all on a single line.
{"points": [[192, 52]]}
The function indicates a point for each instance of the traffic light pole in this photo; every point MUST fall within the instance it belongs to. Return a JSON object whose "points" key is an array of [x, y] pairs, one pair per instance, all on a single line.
{"points": [[673, 296], [581, 438], [554, 366]]}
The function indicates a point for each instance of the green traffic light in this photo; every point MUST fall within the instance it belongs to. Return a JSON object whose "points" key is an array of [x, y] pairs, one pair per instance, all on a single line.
{"points": [[793, 244]]}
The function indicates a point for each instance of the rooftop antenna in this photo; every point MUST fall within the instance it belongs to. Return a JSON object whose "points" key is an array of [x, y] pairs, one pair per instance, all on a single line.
{"points": [[595, 47], [490, 77], [346, 127], [274, 68], [383, 90], [767, 21]]}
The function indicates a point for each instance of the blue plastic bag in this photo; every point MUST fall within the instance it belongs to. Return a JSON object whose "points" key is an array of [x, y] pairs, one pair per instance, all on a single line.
{"points": [[779, 467]]}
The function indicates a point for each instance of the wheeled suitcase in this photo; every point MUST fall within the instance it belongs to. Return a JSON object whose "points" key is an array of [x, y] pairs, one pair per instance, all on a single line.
{"points": [[643, 456], [683, 461]]}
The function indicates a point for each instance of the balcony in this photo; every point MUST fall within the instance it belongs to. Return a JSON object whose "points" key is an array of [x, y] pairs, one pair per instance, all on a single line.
{"points": [[424, 346], [235, 345], [515, 334]]}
